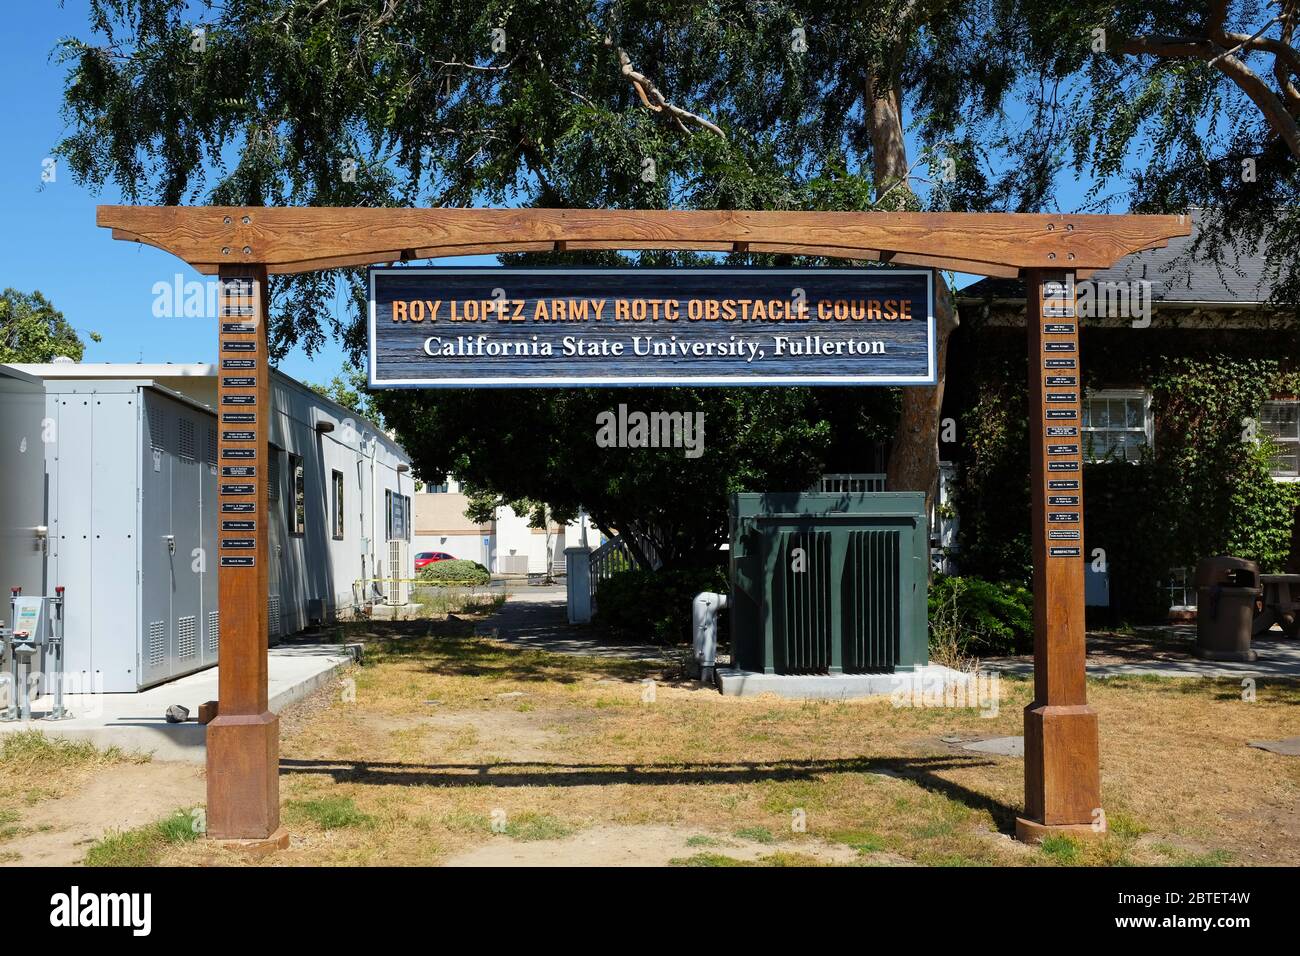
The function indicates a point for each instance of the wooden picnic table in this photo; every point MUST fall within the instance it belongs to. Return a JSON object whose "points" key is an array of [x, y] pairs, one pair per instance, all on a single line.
{"points": [[1281, 604]]}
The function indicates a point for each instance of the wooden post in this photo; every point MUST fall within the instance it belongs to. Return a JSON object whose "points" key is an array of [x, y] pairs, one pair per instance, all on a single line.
{"points": [[1062, 777], [244, 738]]}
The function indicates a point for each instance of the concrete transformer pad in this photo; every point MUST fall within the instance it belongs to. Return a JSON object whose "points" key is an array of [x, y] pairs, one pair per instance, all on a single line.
{"points": [[925, 686], [135, 722]]}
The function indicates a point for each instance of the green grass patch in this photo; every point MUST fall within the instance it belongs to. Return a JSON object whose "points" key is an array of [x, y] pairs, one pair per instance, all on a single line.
{"points": [[706, 859], [864, 841], [328, 813], [701, 841], [1126, 827], [756, 834], [790, 859], [1062, 849], [8, 824], [537, 826], [144, 845]]}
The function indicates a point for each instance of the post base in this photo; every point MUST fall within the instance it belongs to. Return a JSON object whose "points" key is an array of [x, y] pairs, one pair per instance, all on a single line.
{"points": [[1031, 831], [279, 840], [1062, 776], [244, 776]]}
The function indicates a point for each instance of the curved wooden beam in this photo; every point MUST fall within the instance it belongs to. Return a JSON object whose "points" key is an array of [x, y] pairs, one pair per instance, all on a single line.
{"points": [[305, 238]]}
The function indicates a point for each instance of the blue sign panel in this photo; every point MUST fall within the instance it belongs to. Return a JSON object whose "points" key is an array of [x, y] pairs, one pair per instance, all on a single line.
{"points": [[456, 327]]}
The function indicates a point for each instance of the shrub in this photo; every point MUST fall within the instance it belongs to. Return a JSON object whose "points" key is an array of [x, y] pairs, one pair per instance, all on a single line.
{"points": [[455, 571], [654, 606], [981, 618]]}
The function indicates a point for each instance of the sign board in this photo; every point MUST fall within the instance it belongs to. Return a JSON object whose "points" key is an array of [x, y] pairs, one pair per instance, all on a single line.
{"points": [[458, 327], [27, 620]]}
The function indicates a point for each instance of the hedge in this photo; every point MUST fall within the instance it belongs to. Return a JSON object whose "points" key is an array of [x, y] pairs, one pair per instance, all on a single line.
{"points": [[455, 571], [654, 606]]}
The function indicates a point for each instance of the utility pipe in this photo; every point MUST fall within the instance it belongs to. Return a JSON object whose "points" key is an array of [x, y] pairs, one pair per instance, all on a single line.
{"points": [[704, 631]]}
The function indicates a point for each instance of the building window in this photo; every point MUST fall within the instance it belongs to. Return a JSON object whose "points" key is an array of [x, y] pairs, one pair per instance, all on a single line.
{"points": [[1280, 421], [273, 474], [398, 509], [337, 483], [1117, 425], [299, 483], [1182, 590], [436, 489]]}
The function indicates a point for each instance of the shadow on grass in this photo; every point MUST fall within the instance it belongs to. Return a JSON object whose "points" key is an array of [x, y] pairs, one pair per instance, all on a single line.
{"points": [[452, 649], [923, 771]]}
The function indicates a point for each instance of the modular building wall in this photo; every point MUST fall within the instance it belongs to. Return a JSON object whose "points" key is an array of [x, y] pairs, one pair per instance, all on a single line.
{"points": [[131, 477], [23, 537], [125, 479], [313, 567]]}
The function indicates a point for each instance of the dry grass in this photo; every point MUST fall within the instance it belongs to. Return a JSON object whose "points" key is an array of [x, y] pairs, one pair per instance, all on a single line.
{"points": [[35, 769], [454, 742]]}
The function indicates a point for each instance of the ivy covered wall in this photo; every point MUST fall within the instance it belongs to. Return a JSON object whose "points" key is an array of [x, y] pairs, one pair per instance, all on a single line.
{"points": [[1199, 490]]}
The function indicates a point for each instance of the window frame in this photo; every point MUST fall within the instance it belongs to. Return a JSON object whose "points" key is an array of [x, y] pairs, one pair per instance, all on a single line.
{"points": [[298, 496], [1282, 402], [1086, 432], [338, 522]]}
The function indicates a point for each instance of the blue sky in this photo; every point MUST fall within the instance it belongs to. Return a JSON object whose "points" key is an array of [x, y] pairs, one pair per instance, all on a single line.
{"points": [[51, 242]]}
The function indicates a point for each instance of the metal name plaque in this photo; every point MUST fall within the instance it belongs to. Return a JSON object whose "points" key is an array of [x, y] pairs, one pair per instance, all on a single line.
{"points": [[458, 327]]}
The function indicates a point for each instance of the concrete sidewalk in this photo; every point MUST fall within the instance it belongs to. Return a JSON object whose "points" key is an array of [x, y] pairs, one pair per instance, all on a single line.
{"points": [[1279, 656], [537, 618], [135, 722]]}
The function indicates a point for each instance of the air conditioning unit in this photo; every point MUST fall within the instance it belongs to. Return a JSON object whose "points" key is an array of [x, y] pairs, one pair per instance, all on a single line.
{"points": [[397, 587]]}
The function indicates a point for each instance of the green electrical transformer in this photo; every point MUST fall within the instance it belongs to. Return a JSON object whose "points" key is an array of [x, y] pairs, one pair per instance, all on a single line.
{"points": [[829, 583]]}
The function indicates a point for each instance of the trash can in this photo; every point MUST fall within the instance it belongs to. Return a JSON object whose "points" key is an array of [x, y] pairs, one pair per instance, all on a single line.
{"points": [[1226, 591]]}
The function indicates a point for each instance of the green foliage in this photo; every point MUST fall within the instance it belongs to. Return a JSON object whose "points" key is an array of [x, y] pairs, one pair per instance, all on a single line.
{"points": [[456, 571], [32, 330], [1180, 132], [654, 606], [539, 445], [282, 95], [1202, 490], [985, 618], [348, 389]]}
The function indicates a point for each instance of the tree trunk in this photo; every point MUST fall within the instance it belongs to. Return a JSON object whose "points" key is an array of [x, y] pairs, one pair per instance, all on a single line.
{"points": [[914, 455], [888, 148]]}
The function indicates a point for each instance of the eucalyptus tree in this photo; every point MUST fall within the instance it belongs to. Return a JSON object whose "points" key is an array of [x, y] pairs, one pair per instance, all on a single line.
{"points": [[652, 104], [1170, 107]]}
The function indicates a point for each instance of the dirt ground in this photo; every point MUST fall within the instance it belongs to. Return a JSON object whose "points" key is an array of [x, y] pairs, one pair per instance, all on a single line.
{"points": [[451, 749]]}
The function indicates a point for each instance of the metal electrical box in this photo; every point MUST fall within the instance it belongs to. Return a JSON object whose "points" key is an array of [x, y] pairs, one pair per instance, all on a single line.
{"points": [[132, 474], [829, 583]]}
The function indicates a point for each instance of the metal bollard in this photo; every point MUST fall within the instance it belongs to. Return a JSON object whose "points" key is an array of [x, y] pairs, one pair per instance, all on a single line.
{"points": [[7, 646], [55, 651]]}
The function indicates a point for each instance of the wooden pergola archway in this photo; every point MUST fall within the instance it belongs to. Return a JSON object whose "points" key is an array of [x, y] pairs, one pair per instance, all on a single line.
{"points": [[246, 244]]}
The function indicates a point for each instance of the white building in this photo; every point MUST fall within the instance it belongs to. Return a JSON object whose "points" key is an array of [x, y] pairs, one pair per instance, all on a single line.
{"points": [[110, 492], [504, 545]]}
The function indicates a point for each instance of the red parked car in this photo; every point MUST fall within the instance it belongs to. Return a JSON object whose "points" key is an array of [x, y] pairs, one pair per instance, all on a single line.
{"points": [[426, 558]]}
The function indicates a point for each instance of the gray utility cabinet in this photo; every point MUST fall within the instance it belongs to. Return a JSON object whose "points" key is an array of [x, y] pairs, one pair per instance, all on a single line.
{"points": [[829, 582], [136, 547]]}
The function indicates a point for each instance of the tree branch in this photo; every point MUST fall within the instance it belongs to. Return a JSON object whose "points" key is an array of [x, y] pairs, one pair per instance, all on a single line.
{"points": [[1273, 105], [654, 100]]}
